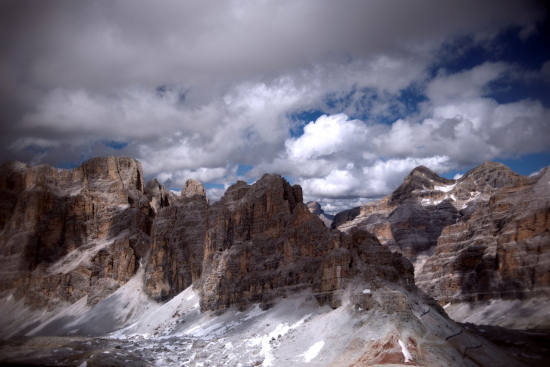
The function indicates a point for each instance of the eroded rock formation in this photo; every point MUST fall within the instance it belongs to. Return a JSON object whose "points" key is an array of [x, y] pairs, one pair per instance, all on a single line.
{"points": [[480, 237], [177, 244], [315, 208], [499, 248], [262, 242], [65, 234]]}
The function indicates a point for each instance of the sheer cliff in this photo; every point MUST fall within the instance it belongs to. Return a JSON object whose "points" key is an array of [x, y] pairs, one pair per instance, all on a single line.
{"points": [[72, 233], [262, 242], [95, 252], [484, 236]]}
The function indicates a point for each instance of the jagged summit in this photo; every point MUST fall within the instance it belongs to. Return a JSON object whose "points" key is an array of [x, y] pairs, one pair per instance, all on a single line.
{"points": [[469, 239], [254, 278], [420, 179], [315, 208], [193, 188], [489, 176]]}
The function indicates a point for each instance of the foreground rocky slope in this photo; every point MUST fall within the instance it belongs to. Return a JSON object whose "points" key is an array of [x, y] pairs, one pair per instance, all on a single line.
{"points": [[253, 279], [482, 237]]}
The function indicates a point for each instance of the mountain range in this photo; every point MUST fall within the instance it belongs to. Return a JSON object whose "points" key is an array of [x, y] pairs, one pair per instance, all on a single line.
{"points": [[100, 268]]}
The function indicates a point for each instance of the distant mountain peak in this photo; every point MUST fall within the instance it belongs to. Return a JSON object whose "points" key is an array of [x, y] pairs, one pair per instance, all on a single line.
{"points": [[420, 178]]}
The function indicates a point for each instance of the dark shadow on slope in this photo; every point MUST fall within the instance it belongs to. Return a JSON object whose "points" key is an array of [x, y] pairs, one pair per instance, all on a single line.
{"points": [[530, 347], [416, 228]]}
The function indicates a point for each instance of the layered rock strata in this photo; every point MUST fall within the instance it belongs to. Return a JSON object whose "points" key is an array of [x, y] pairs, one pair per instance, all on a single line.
{"points": [[65, 234], [483, 236], [177, 244], [262, 242], [500, 248]]}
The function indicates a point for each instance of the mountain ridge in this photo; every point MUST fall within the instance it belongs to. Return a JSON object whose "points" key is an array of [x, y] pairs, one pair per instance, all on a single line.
{"points": [[96, 252], [463, 235]]}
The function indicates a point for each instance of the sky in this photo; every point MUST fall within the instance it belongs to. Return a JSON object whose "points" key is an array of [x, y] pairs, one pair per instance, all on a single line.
{"points": [[342, 97]]}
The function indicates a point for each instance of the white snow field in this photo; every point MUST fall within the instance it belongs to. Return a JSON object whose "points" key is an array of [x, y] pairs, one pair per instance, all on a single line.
{"points": [[131, 330]]}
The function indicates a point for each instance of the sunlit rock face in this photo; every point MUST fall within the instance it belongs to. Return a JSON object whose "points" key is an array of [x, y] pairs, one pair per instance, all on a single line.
{"points": [[67, 234], [262, 242], [483, 236]]}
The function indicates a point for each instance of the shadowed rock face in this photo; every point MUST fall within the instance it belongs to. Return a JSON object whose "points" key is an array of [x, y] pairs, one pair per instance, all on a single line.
{"points": [[480, 237], [66, 234], [315, 208], [501, 249], [344, 217], [409, 220], [83, 233], [177, 244], [262, 242]]}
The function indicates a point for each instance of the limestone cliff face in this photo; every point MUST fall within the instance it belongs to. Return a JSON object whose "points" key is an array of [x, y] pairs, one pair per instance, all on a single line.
{"points": [[158, 196], [177, 244], [315, 208], [483, 236], [344, 217], [500, 249], [65, 234], [262, 242], [411, 219]]}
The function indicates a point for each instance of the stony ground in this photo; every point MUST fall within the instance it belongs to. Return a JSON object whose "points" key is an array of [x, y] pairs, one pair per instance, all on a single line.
{"points": [[292, 332]]}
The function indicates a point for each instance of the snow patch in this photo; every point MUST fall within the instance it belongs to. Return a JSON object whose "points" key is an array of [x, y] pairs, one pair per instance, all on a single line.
{"points": [[256, 311], [73, 259], [200, 331], [366, 291], [446, 188], [264, 341], [313, 351], [405, 351], [473, 196]]}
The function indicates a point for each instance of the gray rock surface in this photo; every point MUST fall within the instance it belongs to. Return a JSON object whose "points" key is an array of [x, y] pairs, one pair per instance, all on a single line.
{"points": [[315, 208], [65, 234], [481, 237], [177, 244], [262, 243]]}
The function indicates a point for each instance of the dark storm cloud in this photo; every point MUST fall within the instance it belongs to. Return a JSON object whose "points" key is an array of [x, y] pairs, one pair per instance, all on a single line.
{"points": [[74, 74]]}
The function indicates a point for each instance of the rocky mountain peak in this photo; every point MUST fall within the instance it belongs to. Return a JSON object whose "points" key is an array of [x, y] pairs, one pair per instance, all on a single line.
{"points": [[194, 190], [158, 196], [126, 170], [480, 237], [488, 176], [314, 207], [421, 178], [70, 233], [262, 242]]}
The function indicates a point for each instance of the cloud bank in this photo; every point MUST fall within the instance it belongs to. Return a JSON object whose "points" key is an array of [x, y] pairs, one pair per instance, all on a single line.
{"points": [[343, 98]]}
